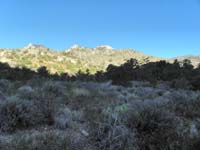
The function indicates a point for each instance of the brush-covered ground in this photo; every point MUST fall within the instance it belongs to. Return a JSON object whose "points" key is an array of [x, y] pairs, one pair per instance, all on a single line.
{"points": [[59, 115]]}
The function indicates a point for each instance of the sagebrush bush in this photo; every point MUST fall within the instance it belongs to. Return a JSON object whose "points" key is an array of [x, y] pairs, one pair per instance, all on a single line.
{"points": [[49, 114], [55, 88], [181, 83], [51, 140], [77, 92], [2, 97], [25, 92], [107, 130], [17, 114], [156, 128], [4, 84], [65, 117], [186, 106]]}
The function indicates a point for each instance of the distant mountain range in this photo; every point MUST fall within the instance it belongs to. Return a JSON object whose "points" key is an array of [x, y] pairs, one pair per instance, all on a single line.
{"points": [[75, 58]]}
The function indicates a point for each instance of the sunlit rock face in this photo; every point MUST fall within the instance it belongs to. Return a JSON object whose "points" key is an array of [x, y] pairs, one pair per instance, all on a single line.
{"points": [[104, 47], [75, 46], [35, 49], [34, 46]]}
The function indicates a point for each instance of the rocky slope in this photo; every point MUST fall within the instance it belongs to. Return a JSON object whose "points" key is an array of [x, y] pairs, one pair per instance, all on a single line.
{"points": [[70, 60]]}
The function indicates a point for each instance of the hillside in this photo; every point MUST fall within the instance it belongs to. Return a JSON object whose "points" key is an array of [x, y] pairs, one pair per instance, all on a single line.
{"points": [[71, 60], [195, 60]]}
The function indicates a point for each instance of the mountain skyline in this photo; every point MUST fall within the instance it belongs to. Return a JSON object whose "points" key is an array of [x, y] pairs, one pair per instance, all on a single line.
{"points": [[77, 58], [70, 60], [106, 45]]}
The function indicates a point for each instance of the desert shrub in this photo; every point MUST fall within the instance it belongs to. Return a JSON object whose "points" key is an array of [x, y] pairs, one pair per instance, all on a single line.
{"points": [[185, 105], [2, 97], [107, 130], [4, 84], [80, 97], [50, 97], [51, 140], [16, 114], [181, 83], [25, 89], [111, 136], [25, 92], [53, 89], [9, 87], [43, 72], [37, 82], [65, 118], [195, 81], [194, 144], [4, 142], [156, 128], [77, 92]]}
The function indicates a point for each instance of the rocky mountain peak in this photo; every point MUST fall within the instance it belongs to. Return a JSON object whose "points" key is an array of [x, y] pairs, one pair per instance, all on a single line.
{"points": [[34, 46], [35, 49], [108, 47], [75, 46]]}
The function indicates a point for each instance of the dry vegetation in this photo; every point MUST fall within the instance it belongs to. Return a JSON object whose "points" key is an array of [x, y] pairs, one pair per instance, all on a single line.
{"points": [[42, 114], [108, 110], [72, 60]]}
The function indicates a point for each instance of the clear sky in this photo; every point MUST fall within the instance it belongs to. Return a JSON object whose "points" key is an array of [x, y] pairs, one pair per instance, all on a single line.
{"points": [[164, 28]]}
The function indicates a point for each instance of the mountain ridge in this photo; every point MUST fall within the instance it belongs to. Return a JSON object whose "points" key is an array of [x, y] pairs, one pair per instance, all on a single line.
{"points": [[72, 59]]}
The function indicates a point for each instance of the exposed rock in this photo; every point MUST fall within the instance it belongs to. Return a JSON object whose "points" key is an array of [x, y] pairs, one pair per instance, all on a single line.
{"points": [[34, 46], [75, 47], [104, 47], [34, 49]]}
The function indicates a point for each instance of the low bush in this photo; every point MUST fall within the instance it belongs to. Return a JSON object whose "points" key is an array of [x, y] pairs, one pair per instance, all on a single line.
{"points": [[17, 114], [156, 128], [51, 140]]}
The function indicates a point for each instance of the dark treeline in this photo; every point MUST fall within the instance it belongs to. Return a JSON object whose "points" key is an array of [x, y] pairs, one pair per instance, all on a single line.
{"points": [[179, 74]]}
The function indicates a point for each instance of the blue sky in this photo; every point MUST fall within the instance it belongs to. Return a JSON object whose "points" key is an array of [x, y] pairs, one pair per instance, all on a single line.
{"points": [[164, 28]]}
